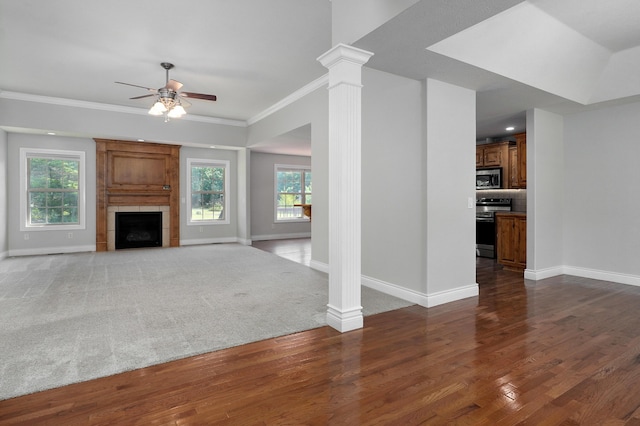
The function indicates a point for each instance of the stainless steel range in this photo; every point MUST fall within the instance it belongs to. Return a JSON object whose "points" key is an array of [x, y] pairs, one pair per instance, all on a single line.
{"points": [[486, 209]]}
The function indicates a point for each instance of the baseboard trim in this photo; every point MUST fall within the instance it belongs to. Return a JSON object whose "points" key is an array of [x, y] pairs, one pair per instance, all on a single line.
{"points": [[422, 299], [576, 271], [200, 241], [603, 275], [541, 274], [447, 296], [51, 250], [3, 255], [319, 266], [395, 290], [281, 236]]}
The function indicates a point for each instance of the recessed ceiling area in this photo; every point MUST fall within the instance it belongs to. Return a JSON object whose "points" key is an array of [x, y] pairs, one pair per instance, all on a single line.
{"points": [[544, 52], [595, 19]]}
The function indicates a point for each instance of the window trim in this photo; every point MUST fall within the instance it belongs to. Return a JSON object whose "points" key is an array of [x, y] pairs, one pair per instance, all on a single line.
{"points": [[53, 154], [285, 167], [227, 193]]}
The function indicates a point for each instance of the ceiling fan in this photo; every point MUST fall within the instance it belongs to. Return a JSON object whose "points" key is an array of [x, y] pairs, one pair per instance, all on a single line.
{"points": [[168, 98]]}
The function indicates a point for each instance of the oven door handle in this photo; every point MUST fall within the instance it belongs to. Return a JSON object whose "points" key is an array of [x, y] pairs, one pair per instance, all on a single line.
{"points": [[485, 219]]}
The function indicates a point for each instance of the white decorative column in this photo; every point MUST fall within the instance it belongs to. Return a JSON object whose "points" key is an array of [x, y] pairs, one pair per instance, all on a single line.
{"points": [[344, 62]]}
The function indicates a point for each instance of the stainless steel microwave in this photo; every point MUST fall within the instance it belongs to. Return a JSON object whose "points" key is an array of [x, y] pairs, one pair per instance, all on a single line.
{"points": [[489, 178]]}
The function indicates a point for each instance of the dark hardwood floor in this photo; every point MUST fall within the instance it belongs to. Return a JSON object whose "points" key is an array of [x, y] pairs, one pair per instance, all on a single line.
{"points": [[563, 351], [295, 249]]}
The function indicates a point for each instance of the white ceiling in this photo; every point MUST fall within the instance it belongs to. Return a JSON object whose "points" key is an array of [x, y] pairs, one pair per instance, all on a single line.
{"points": [[250, 53], [253, 53]]}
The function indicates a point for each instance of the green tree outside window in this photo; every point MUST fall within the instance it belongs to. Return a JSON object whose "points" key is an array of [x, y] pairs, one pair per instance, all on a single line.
{"points": [[207, 193], [53, 191], [293, 186]]}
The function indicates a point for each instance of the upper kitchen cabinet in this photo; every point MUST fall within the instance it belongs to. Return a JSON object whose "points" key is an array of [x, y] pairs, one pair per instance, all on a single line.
{"points": [[513, 167], [521, 146], [518, 162], [492, 155]]}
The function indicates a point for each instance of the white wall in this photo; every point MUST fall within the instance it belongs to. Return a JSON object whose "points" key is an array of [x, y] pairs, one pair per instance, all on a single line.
{"points": [[216, 233], [46, 241], [448, 192], [391, 167], [545, 193], [601, 196], [4, 244], [263, 225]]}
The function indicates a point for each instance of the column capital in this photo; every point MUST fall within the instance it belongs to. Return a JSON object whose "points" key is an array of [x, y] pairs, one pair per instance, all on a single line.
{"points": [[344, 52]]}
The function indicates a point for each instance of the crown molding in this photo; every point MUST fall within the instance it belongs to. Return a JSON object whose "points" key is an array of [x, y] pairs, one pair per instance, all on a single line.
{"points": [[298, 94], [111, 108]]}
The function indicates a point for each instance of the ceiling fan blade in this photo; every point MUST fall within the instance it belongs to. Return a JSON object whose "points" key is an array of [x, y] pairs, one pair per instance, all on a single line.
{"points": [[199, 96], [140, 97], [135, 85], [173, 85]]}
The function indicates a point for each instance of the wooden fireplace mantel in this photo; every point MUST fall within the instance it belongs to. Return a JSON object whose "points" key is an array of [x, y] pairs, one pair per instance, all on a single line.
{"points": [[136, 174]]}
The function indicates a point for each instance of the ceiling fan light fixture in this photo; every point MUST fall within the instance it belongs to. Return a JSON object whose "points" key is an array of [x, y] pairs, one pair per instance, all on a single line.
{"points": [[168, 98], [160, 106], [176, 112]]}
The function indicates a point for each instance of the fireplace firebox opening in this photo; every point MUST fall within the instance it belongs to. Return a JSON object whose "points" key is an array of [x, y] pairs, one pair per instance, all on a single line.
{"points": [[138, 229]]}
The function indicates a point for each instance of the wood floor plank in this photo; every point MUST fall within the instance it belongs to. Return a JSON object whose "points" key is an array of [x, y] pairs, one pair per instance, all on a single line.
{"points": [[560, 351]]}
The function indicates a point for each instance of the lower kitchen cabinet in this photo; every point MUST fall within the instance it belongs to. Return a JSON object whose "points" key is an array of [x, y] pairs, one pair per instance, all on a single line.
{"points": [[512, 240]]}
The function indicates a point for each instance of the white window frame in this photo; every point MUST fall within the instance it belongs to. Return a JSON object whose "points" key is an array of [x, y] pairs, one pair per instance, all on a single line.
{"points": [[286, 167], [54, 154], [209, 163]]}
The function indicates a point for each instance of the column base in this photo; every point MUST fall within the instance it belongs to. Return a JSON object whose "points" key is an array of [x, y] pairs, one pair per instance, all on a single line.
{"points": [[344, 321]]}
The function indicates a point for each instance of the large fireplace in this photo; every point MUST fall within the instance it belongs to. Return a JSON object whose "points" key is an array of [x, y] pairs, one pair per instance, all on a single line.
{"points": [[138, 229], [137, 177]]}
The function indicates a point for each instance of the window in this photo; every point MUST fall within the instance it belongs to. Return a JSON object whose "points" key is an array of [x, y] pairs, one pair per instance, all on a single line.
{"points": [[293, 186], [52, 189], [208, 186]]}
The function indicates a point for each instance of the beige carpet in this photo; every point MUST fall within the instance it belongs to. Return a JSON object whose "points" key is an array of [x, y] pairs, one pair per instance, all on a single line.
{"points": [[74, 317]]}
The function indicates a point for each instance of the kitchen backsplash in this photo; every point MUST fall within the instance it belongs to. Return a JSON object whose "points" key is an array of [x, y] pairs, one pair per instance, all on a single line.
{"points": [[518, 197]]}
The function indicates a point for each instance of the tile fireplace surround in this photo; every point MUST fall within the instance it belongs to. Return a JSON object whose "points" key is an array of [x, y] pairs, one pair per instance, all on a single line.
{"points": [[111, 222]]}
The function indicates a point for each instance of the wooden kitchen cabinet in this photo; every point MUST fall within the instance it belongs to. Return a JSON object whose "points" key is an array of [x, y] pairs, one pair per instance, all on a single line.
{"points": [[511, 240], [513, 167], [492, 155], [521, 146]]}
